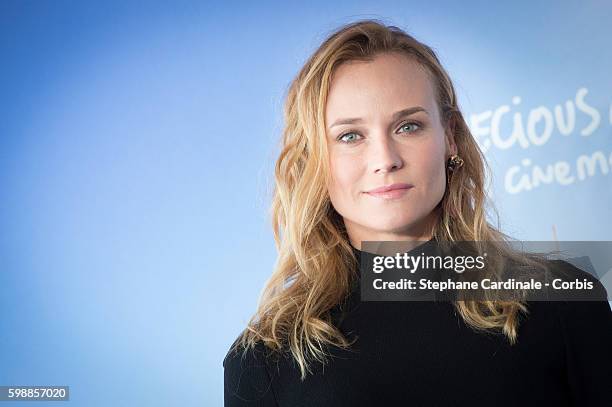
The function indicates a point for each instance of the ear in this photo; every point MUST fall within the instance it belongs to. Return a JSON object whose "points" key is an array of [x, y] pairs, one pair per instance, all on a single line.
{"points": [[451, 146]]}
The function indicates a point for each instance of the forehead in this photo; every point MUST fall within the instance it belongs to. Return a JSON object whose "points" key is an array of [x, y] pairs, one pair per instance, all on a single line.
{"points": [[390, 81]]}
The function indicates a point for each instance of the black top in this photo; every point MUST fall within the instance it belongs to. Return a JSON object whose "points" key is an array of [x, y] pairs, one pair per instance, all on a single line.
{"points": [[424, 354]]}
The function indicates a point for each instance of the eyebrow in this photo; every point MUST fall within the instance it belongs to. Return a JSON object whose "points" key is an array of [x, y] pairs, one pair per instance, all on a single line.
{"points": [[396, 115]]}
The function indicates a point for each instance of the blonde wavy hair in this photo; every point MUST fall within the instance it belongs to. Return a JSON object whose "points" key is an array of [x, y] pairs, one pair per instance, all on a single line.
{"points": [[316, 263]]}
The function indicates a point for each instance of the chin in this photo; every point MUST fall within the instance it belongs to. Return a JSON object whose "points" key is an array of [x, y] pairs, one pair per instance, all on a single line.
{"points": [[394, 225]]}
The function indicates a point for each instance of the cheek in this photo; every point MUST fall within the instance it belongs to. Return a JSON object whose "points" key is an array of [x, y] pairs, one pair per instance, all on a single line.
{"points": [[430, 163], [344, 176]]}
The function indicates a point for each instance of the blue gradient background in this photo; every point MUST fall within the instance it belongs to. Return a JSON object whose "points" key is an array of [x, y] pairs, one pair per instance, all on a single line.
{"points": [[137, 142]]}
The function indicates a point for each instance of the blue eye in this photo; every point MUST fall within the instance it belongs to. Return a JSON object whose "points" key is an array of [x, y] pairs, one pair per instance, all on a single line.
{"points": [[342, 138], [347, 134], [418, 126]]}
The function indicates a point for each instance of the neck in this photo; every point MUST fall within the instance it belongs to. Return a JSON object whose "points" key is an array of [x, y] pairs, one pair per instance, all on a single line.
{"points": [[409, 238]]}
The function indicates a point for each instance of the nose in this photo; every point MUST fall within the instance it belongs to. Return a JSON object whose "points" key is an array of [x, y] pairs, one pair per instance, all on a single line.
{"points": [[384, 155]]}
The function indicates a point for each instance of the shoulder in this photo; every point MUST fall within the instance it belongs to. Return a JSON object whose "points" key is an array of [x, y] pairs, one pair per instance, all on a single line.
{"points": [[576, 314], [576, 282], [246, 377], [587, 311], [239, 356], [586, 330], [578, 267]]}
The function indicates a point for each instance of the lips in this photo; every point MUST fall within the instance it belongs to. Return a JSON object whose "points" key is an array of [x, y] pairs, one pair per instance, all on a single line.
{"points": [[387, 188], [390, 192]]}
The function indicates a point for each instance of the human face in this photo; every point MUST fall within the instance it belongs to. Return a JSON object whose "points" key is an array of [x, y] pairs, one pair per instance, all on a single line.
{"points": [[383, 146]]}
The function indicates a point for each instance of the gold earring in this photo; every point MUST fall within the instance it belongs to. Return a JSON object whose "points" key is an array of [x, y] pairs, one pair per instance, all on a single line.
{"points": [[454, 162]]}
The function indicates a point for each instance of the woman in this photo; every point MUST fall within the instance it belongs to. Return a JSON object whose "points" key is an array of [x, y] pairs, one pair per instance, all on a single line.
{"points": [[373, 108]]}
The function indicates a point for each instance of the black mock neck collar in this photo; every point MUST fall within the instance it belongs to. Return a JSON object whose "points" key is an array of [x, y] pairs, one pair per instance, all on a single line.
{"points": [[425, 244]]}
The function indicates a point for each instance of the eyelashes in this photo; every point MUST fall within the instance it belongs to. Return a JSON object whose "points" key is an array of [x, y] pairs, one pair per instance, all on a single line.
{"points": [[340, 138]]}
